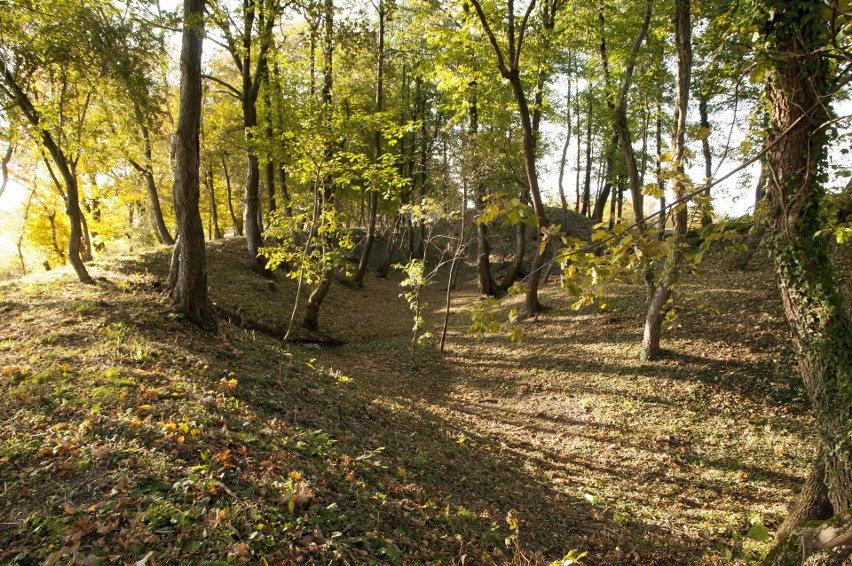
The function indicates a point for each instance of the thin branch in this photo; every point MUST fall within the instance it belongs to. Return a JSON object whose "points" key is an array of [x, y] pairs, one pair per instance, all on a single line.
{"points": [[231, 88]]}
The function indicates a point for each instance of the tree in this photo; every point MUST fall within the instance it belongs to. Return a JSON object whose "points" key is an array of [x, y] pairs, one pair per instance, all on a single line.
{"points": [[189, 271], [671, 270], [508, 64], [382, 10], [248, 48], [797, 92]]}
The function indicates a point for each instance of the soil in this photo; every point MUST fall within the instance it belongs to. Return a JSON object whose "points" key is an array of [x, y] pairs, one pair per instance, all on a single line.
{"points": [[127, 431]]}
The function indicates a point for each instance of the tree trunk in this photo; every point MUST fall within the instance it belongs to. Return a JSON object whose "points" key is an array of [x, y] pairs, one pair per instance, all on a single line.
{"points": [[377, 151], [214, 211], [663, 292], [387, 257], [4, 167], [514, 270], [758, 229], [238, 227], [72, 194], [564, 157], [812, 504], [311, 320], [620, 121], [190, 289], [603, 195], [821, 330], [585, 209], [153, 197], [704, 124], [658, 170]]}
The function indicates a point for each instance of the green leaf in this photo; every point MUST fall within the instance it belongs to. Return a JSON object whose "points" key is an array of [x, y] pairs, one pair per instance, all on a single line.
{"points": [[758, 532]]}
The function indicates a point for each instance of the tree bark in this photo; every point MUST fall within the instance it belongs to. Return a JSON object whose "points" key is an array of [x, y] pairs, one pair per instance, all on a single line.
{"points": [[671, 270], [585, 208], [620, 120], [190, 289], [796, 92], [72, 193], [603, 194], [214, 211], [151, 185], [377, 151], [235, 221], [704, 123]]}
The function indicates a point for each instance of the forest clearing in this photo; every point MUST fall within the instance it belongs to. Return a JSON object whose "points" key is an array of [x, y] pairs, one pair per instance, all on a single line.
{"points": [[128, 430], [425, 282]]}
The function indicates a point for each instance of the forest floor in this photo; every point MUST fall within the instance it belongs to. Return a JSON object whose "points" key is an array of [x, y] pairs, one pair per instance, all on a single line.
{"points": [[128, 435]]}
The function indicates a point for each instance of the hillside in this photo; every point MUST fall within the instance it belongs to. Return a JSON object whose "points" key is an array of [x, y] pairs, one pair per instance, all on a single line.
{"points": [[128, 435]]}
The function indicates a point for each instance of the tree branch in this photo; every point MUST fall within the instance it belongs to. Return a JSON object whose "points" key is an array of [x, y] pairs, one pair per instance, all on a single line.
{"points": [[501, 64], [231, 88]]}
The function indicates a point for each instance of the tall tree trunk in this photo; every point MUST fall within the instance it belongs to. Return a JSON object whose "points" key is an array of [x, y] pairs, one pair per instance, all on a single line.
{"points": [[579, 153], [585, 209], [86, 252], [387, 258], [214, 211], [671, 270], [235, 221], [609, 173], [148, 172], [758, 228], [514, 270], [796, 94], [564, 157], [485, 280], [620, 120], [530, 142], [377, 151], [658, 171], [704, 124], [72, 193], [190, 289]]}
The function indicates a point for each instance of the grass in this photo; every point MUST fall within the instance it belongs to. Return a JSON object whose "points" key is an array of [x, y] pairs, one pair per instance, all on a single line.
{"points": [[127, 434]]}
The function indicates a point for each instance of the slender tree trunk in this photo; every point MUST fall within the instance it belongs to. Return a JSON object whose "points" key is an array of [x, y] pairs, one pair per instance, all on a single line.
{"points": [[4, 167], [656, 308], [148, 172], [312, 308], [620, 121], [532, 304], [190, 289], [661, 185], [758, 228], [585, 208], [563, 158], [514, 270], [485, 280], [387, 257], [214, 211], [86, 252], [235, 221], [579, 156], [704, 124], [377, 151], [609, 173]]}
